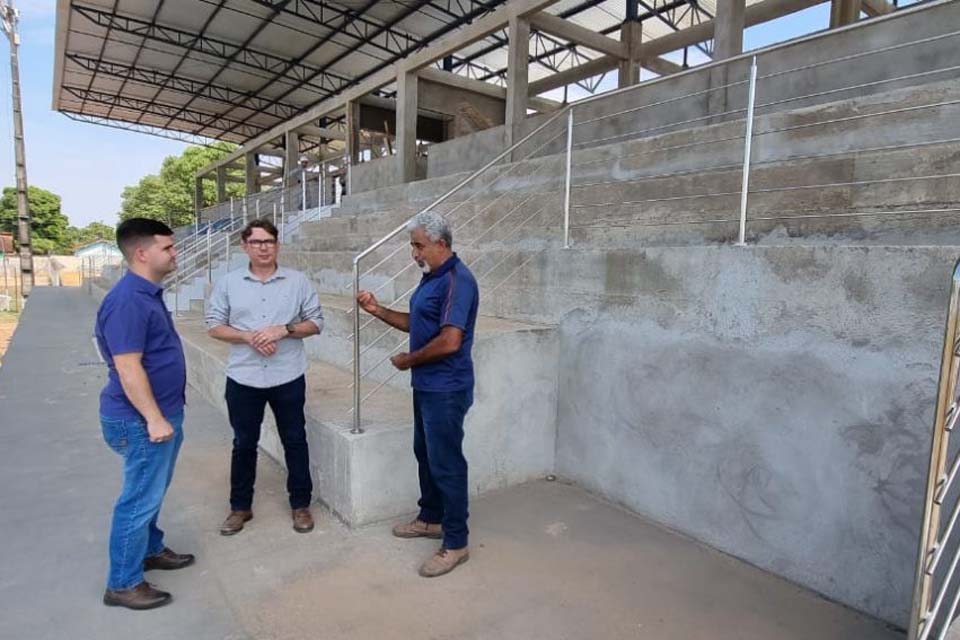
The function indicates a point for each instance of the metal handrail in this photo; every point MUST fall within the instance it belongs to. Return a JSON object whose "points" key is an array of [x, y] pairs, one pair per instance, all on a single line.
{"points": [[397, 231], [923, 617]]}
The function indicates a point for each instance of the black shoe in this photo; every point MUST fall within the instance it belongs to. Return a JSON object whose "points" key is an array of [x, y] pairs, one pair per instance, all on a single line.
{"points": [[142, 596], [167, 560]]}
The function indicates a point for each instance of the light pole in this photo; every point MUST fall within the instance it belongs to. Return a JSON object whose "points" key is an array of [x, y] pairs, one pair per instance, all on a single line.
{"points": [[9, 18]]}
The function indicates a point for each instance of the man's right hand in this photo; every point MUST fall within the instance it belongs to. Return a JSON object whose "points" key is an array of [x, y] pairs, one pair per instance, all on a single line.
{"points": [[368, 302], [267, 349], [159, 430]]}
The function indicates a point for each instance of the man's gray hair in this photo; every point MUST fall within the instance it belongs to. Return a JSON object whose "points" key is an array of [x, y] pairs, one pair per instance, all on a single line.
{"points": [[434, 224]]}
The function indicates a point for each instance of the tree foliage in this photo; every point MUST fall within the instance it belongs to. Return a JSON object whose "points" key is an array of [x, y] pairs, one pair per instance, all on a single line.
{"points": [[168, 196], [50, 229], [48, 226]]}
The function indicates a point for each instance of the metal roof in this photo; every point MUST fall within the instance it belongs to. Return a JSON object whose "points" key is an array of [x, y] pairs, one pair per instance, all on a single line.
{"points": [[198, 70]]}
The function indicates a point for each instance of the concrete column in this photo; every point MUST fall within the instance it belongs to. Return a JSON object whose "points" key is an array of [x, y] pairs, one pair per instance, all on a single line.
{"points": [[407, 126], [198, 197], [844, 12], [252, 176], [221, 184], [629, 69], [291, 159], [352, 115], [728, 29], [518, 57]]}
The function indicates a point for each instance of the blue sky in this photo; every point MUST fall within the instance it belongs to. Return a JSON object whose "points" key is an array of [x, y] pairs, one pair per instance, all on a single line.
{"points": [[88, 165]]}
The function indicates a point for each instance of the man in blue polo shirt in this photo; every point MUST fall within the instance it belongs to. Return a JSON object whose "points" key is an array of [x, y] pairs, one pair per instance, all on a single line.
{"points": [[141, 410], [443, 313]]}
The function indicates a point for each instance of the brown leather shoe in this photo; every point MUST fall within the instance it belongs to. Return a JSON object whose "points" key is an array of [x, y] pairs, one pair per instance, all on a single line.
{"points": [[302, 520], [234, 522], [418, 529], [167, 560], [142, 596], [444, 561]]}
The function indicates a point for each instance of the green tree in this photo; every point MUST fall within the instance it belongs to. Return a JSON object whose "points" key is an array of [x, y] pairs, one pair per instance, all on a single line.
{"points": [[169, 196], [48, 226], [90, 233]]}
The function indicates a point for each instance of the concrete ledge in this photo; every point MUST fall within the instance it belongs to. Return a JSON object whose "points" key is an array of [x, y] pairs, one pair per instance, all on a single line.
{"points": [[510, 431]]}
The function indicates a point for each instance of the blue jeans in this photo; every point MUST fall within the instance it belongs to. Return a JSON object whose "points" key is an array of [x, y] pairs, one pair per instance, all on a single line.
{"points": [[438, 444], [147, 471]]}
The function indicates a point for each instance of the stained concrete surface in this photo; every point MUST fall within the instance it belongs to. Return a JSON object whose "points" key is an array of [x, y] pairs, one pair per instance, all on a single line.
{"points": [[548, 560]]}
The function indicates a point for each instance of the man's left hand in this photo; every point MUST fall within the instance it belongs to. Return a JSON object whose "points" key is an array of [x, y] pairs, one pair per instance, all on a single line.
{"points": [[401, 361], [268, 335]]}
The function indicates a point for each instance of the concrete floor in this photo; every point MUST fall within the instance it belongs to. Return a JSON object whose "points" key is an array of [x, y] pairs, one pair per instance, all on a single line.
{"points": [[548, 560]]}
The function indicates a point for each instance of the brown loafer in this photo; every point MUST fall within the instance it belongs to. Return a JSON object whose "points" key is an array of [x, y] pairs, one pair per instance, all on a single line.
{"points": [[418, 529], [167, 560], [444, 561], [234, 522], [302, 520], [142, 596]]}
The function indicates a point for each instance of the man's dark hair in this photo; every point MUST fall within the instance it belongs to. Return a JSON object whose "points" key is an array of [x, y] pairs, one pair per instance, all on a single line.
{"points": [[136, 232], [262, 223]]}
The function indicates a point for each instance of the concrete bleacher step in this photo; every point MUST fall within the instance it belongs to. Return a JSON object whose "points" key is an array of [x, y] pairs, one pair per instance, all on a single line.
{"points": [[511, 436]]}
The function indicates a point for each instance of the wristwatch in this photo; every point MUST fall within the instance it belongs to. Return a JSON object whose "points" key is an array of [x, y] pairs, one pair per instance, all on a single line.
{"points": [[290, 328]]}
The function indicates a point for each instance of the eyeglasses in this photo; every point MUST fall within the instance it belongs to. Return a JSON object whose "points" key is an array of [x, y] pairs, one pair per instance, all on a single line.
{"points": [[256, 244]]}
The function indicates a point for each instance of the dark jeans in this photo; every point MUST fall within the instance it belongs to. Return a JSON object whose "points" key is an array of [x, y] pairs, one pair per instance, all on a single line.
{"points": [[246, 406], [438, 445]]}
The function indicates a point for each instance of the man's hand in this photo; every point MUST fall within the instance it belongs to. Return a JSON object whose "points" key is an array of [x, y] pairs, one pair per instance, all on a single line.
{"points": [[267, 336], [159, 430], [401, 361], [368, 302]]}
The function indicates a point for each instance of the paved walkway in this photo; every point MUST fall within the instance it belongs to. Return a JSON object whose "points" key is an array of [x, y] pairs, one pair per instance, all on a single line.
{"points": [[548, 561]]}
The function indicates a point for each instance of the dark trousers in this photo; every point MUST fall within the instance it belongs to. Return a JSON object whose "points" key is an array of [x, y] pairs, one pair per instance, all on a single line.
{"points": [[438, 444], [246, 406]]}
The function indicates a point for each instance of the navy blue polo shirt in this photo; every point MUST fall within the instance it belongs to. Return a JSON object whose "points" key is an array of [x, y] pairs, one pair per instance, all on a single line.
{"points": [[133, 319], [447, 297]]}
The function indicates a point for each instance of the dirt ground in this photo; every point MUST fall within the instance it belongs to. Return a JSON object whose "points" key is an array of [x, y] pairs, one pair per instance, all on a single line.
{"points": [[8, 322]]}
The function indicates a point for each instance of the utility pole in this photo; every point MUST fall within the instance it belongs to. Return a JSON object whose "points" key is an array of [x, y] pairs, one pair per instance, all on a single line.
{"points": [[9, 18]]}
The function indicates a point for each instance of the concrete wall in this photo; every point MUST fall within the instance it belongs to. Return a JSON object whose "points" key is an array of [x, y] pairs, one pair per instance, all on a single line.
{"points": [[774, 403], [467, 153], [380, 172], [455, 102]]}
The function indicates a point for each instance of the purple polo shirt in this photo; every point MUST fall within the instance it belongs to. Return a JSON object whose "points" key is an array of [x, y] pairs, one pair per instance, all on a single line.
{"points": [[133, 319]]}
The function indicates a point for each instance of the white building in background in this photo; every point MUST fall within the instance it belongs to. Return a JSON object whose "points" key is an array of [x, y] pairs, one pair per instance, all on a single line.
{"points": [[98, 249]]}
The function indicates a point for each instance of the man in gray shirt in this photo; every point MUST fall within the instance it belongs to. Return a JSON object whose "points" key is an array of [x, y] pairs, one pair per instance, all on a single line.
{"points": [[265, 311]]}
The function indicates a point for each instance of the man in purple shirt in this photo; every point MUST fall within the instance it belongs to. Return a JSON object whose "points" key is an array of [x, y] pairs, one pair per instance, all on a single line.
{"points": [[141, 410]]}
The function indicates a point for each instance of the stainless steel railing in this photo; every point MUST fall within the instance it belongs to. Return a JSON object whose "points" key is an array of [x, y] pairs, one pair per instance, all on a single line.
{"points": [[933, 585]]}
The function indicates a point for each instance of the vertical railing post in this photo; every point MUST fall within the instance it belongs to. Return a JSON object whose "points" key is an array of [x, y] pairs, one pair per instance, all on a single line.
{"points": [[349, 176], [747, 145], [356, 348], [566, 187], [209, 257], [257, 207], [245, 211], [274, 214], [320, 186], [283, 219], [231, 211], [303, 191], [176, 292]]}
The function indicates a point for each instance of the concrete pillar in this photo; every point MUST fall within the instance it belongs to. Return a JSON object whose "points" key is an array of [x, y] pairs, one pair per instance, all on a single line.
{"points": [[221, 184], [518, 57], [728, 29], [252, 176], [631, 34], [198, 197], [844, 12], [291, 159], [352, 116], [407, 126]]}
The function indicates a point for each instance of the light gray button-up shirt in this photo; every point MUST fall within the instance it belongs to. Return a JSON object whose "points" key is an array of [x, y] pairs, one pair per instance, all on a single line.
{"points": [[243, 302]]}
